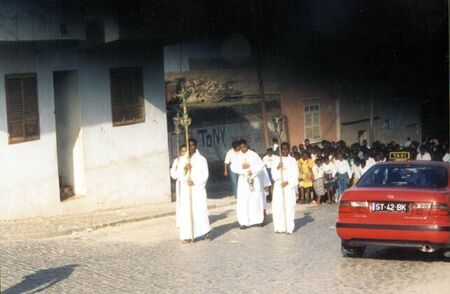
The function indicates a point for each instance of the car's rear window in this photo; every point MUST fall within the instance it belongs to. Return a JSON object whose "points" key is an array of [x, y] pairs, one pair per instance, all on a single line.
{"points": [[405, 176]]}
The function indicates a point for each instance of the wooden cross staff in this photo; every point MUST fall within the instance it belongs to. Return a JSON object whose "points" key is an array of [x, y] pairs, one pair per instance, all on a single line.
{"points": [[186, 122]]}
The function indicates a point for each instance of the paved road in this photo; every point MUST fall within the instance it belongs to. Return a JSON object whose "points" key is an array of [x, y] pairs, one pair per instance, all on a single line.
{"points": [[147, 257]]}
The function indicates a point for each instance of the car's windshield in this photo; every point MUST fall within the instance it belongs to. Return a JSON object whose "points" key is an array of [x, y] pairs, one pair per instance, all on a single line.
{"points": [[404, 176]]}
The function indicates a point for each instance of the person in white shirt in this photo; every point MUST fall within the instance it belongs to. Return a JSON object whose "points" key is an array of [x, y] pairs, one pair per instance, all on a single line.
{"points": [[446, 157], [319, 188], [364, 166], [423, 154], [174, 175], [356, 170], [229, 158], [267, 183], [370, 161], [343, 173], [284, 213], [268, 160], [329, 177], [275, 144]]}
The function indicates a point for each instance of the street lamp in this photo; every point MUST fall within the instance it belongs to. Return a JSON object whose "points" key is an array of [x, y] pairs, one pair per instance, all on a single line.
{"points": [[177, 130], [278, 123]]}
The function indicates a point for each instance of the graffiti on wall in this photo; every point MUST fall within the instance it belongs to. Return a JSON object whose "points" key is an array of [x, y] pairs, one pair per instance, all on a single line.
{"points": [[211, 137]]}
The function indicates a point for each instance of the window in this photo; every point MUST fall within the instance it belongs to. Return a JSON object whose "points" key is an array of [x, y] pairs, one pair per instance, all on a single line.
{"points": [[22, 107], [127, 96], [312, 122], [405, 176]]}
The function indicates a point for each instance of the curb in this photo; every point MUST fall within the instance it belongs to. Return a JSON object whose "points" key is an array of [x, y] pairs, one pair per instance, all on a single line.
{"points": [[88, 229]]}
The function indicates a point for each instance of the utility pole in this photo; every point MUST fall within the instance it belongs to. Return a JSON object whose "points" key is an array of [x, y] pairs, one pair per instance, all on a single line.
{"points": [[263, 101], [258, 31], [371, 128]]}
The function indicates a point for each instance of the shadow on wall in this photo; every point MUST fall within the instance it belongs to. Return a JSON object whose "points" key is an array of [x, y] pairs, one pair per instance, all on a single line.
{"points": [[42, 280]]}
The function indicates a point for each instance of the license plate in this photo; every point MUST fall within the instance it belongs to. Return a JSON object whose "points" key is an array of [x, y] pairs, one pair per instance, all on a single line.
{"points": [[389, 207]]}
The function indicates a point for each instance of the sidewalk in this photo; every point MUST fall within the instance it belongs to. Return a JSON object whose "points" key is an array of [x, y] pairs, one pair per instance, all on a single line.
{"points": [[37, 228]]}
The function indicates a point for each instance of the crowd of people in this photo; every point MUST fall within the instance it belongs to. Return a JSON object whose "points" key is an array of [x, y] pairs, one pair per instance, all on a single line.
{"points": [[286, 175], [327, 169]]}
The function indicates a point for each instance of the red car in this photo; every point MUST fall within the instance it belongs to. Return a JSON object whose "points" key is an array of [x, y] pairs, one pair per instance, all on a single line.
{"points": [[397, 204]]}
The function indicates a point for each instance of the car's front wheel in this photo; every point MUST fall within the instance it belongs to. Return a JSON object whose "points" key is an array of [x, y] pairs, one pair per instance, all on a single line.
{"points": [[352, 251]]}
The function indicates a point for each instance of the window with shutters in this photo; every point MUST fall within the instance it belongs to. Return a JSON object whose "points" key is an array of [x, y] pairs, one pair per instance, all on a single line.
{"points": [[312, 122], [22, 107], [127, 96]]}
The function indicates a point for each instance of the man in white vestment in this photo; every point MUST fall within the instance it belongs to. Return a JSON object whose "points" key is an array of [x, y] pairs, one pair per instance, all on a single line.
{"points": [[250, 192], [174, 175], [193, 179], [284, 215]]}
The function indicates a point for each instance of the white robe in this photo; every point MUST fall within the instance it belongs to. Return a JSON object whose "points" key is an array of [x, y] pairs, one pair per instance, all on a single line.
{"points": [[199, 175], [283, 222], [174, 175], [249, 207], [265, 180]]}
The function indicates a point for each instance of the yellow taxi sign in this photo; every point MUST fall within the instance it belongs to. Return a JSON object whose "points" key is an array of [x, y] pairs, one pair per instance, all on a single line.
{"points": [[399, 155]]}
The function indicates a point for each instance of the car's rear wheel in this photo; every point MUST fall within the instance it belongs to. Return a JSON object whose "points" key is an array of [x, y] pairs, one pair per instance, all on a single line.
{"points": [[352, 251]]}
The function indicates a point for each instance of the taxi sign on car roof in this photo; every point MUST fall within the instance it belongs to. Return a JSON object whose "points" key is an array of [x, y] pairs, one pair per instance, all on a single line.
{"points": [[399, 155]]}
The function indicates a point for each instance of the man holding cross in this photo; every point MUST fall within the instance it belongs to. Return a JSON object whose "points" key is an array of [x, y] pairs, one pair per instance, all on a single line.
{"points": [[285, 176], [193, 209]]}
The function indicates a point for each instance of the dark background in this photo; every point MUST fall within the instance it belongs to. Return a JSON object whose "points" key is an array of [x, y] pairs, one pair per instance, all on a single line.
{"points": [[393, 48]]}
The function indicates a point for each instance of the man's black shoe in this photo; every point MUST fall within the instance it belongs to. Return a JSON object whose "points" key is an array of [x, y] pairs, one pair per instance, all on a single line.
{"points": [[243, 227]]}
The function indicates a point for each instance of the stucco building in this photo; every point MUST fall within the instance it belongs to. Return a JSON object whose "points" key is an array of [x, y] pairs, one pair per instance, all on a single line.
{"points": [[82, 112], [318, 112]]}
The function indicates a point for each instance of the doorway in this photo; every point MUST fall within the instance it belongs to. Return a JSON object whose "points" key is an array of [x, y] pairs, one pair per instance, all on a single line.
{"points": [[69, 136], [362, 135]]}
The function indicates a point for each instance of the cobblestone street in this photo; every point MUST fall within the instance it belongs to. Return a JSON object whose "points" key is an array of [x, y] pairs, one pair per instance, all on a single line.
{"points": [[147, 257]]}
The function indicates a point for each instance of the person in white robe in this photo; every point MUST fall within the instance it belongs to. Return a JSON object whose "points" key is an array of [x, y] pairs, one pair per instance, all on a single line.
{"points": [[174, 175], [193, 185], [284, 215], [250, 192], [267, 183]]}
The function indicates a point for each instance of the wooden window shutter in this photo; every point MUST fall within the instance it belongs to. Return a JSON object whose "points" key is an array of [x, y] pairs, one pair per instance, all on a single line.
{"points": [[127, 96], [22, 107]]}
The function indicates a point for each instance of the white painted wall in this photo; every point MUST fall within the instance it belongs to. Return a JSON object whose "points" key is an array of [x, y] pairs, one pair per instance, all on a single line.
{"points": [[124, 166]]}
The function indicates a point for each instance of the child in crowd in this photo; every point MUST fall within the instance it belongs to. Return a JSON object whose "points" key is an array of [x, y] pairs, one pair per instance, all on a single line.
{"points": [[329, 178], [305, 165], [319, 188]]}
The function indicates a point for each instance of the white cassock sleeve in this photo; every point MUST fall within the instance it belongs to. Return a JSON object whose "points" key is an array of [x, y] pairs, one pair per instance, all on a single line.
{"points": [[256, 164], [293, 174], [290, 172], [200, 171], [173, 169]]}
